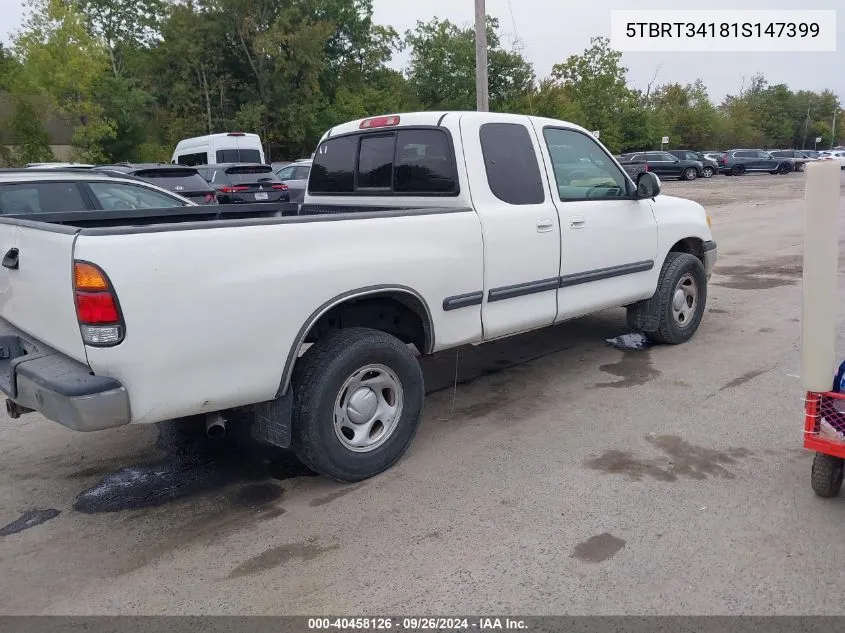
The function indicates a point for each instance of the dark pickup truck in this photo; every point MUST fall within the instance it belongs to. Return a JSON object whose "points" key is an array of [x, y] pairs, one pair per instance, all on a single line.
{"points": [[632, 169]]}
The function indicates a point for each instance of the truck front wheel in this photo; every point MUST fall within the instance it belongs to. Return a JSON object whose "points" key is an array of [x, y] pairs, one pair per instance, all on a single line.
{"points": [[682, 295], [358, 397]]}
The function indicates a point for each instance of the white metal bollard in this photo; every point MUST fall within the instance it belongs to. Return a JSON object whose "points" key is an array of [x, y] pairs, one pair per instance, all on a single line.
{"points": [[821, 266]]}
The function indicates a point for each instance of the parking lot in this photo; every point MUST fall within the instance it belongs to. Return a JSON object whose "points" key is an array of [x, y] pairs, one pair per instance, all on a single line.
{"points": [[555, 474]]}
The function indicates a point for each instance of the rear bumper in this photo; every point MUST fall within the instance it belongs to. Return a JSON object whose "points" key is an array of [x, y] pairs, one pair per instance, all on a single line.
{"points": [[710, 254], [37, 377]]}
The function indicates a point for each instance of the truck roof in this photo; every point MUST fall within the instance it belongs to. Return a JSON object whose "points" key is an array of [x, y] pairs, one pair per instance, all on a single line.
{"points": [[433, 119]]}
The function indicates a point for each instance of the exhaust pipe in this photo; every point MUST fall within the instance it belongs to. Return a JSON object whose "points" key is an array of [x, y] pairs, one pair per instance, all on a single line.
{"points": [[14, 410], [215, 426]]}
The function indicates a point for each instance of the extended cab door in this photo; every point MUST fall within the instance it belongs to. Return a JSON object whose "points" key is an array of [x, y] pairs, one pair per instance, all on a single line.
{"points": [[519, 222], [608, 239]]}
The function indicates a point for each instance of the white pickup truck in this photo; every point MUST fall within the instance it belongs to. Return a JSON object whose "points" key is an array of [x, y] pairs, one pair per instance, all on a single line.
{"points": [[419, 232]]}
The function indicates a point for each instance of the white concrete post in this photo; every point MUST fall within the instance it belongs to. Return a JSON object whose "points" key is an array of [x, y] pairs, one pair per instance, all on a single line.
{"points": [[821, 266]]}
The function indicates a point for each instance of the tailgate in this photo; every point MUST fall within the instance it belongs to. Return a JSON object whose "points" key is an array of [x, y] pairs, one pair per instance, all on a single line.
{"points": [[37, 295]]}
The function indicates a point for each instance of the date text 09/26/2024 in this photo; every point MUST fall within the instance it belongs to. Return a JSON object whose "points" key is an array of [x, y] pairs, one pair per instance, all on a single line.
{"points": [[415, 624]]}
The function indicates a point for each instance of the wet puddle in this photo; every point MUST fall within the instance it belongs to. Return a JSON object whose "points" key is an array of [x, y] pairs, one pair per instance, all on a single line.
{"points": [[195, 465], [634, 368]]}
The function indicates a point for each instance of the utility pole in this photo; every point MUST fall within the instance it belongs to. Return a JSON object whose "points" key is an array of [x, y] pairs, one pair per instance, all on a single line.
{"points": [[482, 103], [833, 129]]}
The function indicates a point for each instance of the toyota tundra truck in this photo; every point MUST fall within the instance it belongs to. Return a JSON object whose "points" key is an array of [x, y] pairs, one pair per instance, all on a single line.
{"points": [[419, 232]]}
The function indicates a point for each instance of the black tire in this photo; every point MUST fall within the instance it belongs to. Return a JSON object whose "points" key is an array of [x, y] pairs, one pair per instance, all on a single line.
{"points": [[689, 173], [707, 172], [318, 378], [784, 168], [827, 475], [737, 170], [675, 268]]}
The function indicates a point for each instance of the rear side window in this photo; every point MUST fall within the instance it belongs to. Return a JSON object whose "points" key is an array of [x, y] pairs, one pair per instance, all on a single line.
{"points": [[405, 162], [745, 154], [301, 173], [122, 196], [334, 166], [238, 156], [192, 160], [41, 197], [511, 163]]}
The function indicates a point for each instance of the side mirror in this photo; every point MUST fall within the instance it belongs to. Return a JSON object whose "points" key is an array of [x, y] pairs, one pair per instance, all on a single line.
{"points": [[648, 185]]}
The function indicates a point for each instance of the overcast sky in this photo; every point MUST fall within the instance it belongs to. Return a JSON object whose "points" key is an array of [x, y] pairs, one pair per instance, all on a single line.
{"points": [[551, 30]]}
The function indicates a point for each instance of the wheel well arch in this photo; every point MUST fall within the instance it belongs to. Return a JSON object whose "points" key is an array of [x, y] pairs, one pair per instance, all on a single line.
{"points": [[397, 310], [691, 245]]}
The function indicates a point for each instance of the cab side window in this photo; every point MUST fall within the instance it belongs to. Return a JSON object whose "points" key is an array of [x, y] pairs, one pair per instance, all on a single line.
{"points": [[511, 163], [583, 170]]}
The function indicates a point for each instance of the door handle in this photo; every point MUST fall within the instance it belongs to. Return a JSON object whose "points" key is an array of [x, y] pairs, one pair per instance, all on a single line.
{"points": [[577, 222], [10, 260], [544, 225]]}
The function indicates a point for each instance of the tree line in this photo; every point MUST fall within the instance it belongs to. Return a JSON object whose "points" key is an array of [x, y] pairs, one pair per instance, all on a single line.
{"points": [[135, 76]]}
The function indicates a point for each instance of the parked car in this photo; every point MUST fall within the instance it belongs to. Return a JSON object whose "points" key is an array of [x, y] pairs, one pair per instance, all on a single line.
{"points": [[295, 176], [214, 149], [185, 181], [60, 190], [432, 229], [798, 158], [709, 166], [736, 162], [811, 153], [236, 184], [835, 155], [667, 166]]}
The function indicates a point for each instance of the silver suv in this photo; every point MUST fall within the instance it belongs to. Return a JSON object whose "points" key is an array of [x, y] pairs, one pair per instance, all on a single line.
{"points": [[295, 176]]}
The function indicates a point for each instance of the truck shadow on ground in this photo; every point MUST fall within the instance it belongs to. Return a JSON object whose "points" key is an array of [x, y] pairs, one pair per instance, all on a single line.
{"points": [[250, 472]]}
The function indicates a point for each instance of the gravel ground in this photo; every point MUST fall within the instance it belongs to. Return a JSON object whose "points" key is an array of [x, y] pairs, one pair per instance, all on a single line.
{"points": [[562, 475]]}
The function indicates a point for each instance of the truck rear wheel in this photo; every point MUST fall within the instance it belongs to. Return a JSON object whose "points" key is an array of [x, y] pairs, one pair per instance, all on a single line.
{"points": [[682, 296], [358, 396]]}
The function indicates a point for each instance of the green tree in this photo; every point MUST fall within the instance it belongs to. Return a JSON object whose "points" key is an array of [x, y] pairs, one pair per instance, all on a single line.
{"points": [[26, 125], [62, 61], [442, 67], [121, 25], [685, 114], [595, 80]]}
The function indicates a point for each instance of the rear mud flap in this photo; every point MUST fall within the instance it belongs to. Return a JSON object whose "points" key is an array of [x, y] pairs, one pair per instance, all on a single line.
{"points": [[273, 421]]}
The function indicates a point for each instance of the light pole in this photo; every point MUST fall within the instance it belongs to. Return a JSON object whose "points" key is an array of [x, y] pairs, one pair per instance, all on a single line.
{"points": [[482, 103]]}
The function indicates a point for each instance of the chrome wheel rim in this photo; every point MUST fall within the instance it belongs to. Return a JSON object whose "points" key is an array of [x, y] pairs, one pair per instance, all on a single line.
{"points": [[708, 172], [367, 408], [685, 301]]}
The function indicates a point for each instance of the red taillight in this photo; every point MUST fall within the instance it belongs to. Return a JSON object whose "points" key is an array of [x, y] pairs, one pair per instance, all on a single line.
{"points": [[647, 168], [280, 186], [209, 198], [96, 308], [379, 121], [236, 189]]}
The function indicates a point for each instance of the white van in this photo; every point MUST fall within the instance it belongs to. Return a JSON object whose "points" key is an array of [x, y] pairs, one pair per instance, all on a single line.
{"points": [[229, 147]]}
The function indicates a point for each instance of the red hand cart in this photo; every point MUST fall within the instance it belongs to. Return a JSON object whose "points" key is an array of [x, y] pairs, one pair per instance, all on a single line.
{"points": [[824, 433]]}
